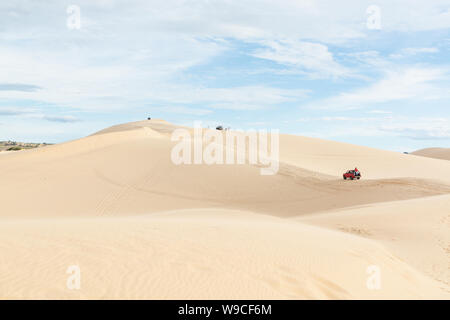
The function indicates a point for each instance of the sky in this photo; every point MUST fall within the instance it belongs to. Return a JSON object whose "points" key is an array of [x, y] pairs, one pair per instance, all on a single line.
{"points": [[373, 73]]}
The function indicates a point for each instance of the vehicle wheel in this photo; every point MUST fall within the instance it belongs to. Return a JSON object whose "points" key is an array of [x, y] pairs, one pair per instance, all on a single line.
{"points": [[359, 178], [345, 178], [351, 178]]}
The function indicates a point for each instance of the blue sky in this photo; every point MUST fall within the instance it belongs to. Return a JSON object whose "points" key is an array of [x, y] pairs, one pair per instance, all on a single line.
{"points": [[313, 68]]}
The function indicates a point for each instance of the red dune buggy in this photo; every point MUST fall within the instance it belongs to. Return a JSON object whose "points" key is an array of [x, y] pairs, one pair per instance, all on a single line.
{"points": [[352, 174]]}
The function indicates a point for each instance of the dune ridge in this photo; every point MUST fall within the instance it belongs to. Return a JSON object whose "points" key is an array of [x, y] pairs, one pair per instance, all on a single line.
{"points": [[436, 153]]}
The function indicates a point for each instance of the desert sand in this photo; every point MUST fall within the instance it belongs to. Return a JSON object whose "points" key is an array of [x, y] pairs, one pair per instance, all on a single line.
{"points": [[140, 227], [437, 153]]}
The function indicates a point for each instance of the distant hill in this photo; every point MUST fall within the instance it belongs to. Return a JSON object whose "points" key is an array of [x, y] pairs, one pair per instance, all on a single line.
{"points": [[437, 153], [16, 146]]}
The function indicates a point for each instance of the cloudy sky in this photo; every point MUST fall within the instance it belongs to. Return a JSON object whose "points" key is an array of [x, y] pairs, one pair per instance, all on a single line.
{"points": [[374, 73]]}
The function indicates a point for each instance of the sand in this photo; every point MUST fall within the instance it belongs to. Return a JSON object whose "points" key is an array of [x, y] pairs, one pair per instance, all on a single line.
{"points": [[141, 227], [436, 153]]}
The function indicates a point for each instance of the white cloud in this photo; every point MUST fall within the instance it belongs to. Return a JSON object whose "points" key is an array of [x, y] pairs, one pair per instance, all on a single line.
{"points": [[35, 113], [379, 112], [413, 128], [313, 59], [18, 87], [413, 51], [403, 84], [180, 110], [63, 119], [420, 129], [234, 98], [371, 58], [14, 111]]}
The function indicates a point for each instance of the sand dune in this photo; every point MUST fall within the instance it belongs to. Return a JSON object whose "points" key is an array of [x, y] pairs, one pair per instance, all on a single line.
{"points": [[130, 172], [333, 158], [415, 230], [198, 254], [140, 226], [437, 153]]}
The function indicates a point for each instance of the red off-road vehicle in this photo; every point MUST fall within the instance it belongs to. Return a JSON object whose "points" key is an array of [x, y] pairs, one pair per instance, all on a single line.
{"points": [[352, 174]]}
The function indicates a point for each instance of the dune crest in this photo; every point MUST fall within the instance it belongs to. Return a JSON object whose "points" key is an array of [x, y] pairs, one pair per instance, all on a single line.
{"points": [[436, 153]]}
